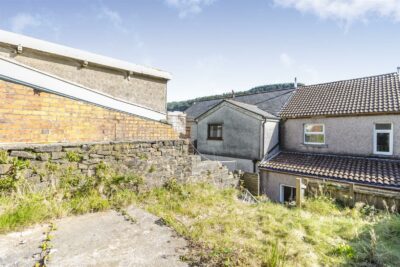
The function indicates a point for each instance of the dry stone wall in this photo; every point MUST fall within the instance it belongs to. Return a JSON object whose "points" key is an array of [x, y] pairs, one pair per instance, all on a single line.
{"points": [[155, 161]]}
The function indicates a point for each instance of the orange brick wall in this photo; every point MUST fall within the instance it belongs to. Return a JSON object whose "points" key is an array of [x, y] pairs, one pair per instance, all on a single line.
{"points": [[30, 116]]}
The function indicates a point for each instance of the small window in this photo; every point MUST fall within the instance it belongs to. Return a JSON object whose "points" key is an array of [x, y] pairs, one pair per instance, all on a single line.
{"points": [[314, 134], [215, 131], [287, 194], [383, 139]]}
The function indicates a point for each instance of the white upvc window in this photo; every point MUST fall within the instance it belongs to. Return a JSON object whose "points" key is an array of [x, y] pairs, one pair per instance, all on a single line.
{"points": [[314, 134], [383, 139], [287, 193]]}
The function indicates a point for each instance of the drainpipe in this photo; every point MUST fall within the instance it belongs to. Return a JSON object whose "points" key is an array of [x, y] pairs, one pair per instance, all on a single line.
{"points": [[262, 144]]}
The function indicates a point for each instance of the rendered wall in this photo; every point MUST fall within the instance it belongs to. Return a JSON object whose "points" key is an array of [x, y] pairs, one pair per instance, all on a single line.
{"points": [[146, 91], [343, 135], [31, 116], [241, 134]]}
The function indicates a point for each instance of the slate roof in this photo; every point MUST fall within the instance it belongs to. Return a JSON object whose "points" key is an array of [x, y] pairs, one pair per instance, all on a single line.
{"points": [[375, 94], [363, 170], [271, 102]]}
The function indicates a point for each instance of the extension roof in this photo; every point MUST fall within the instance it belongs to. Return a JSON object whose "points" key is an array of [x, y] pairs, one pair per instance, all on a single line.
{"points": [[270, 102], [369, 95], [361, 170]]}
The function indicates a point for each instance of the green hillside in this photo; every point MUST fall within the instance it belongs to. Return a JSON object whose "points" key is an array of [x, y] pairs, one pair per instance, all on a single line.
{"points": [[182, 105]]}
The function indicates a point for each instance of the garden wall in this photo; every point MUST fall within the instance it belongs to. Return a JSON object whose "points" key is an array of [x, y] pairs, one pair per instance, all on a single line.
{"points": [[155, 161]]}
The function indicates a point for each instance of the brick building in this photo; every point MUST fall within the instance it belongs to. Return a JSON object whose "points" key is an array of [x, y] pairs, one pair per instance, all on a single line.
{"points": [[51, 93]]}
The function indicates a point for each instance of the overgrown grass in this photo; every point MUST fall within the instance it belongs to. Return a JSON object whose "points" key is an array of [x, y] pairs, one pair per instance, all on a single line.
{"points": [[74, 193], [225, 231], [222, 230]]}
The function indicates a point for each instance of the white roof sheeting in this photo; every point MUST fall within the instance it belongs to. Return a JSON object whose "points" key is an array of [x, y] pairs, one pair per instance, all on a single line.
{"points": [[52, 48], [13, 71]]}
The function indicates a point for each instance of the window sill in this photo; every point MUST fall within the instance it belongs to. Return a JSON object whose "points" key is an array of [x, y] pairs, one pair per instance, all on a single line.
{"points": [[315, 145], [214, 139]]}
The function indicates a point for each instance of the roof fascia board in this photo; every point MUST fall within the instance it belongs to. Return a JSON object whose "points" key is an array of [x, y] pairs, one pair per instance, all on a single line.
{"points": [[15, 72], [230, 105], [52, 48]]}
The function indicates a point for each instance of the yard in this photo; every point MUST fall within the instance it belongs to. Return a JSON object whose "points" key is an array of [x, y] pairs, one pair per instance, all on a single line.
{"points": [[221, 229]]}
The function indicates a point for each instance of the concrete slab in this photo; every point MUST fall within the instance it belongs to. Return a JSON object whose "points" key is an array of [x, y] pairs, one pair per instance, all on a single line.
{"points": [[107, 239], [22, 248]]}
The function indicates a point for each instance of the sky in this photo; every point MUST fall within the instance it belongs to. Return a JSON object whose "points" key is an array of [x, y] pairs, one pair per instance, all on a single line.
{"points": [[216, 46]]}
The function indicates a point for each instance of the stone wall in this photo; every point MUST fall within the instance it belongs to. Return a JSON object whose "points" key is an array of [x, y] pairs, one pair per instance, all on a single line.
{"points": [[155, 161], [150, 92], [31, 116]]}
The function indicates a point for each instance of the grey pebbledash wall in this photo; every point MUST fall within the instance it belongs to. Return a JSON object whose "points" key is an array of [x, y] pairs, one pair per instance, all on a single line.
{"points": [[156, 161]]}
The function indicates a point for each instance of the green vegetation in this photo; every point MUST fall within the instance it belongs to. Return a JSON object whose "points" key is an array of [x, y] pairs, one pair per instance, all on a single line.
{"points": [[222, 230], [183, 105], [226, 232], [73, 156], [74, 193]]}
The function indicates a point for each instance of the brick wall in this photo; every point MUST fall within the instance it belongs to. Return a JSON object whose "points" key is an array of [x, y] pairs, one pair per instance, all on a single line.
{"points": [[31, 116]]}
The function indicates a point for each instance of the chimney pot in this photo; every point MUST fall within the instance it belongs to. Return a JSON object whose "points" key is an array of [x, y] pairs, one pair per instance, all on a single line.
{"points": [[295, 82], [398, 70]]}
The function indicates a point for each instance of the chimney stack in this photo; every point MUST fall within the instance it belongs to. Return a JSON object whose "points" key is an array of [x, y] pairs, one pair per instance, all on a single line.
{"points": [[295, 82], [233, 94], [398, 70]]}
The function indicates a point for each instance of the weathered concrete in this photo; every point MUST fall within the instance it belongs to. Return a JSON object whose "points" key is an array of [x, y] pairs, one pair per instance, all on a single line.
{"points": [[21, 248], [99, 239]]}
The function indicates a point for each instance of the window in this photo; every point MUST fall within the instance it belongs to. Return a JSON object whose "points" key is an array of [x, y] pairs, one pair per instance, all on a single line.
{"points": [[215, 131], [314, 134], [383, 139], [288, 193]]}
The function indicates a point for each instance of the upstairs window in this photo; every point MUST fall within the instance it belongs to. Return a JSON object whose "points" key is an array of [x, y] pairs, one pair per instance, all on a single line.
{"points": [[383, 139], [314, 134], [215, 131]]}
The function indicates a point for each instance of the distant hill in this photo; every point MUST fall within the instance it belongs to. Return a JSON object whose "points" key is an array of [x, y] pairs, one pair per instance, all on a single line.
{"points": [[183, 105]]}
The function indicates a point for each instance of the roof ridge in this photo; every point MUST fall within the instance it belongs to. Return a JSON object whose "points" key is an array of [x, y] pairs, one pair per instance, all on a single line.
{"points": [[345, 80], [223, 98]]}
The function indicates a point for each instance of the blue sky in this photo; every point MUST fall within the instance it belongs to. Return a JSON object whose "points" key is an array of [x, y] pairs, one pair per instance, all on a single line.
{"points": [[215, 46]]}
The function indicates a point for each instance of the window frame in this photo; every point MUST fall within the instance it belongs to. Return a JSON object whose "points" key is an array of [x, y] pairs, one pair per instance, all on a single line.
{"points": [[209, 131], [282, 192], [313, 133], [390, 132]]}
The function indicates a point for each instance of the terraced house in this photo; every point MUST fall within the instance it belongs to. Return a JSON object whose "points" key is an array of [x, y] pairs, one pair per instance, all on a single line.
{"points": [[343, 136], [51, 93]]}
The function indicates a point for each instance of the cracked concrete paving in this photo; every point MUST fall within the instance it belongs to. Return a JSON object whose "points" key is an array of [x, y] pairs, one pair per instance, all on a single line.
{"points": [[99, 239]]}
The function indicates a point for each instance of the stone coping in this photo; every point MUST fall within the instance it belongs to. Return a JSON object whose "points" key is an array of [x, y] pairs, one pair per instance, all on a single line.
{"points": [[32, 146]]}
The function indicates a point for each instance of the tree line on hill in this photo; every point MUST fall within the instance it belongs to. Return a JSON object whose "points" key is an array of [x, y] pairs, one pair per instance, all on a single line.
{"points": [[183, 105]]}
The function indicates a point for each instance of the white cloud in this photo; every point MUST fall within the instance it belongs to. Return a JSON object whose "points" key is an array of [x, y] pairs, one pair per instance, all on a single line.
{"points": [[189, 7], [112, 16], [22, 21], [286, 60], [346, 10]]}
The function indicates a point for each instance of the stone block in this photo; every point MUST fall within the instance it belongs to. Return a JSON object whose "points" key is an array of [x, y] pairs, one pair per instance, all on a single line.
{"points": [[51, 148], [43, 156], [23, 154], [5, 168], [58, 155]]}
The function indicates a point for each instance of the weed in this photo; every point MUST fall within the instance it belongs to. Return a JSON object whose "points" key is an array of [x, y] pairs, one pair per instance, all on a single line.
{"points": [[152, 169], [73, 156], [4, 159]]}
